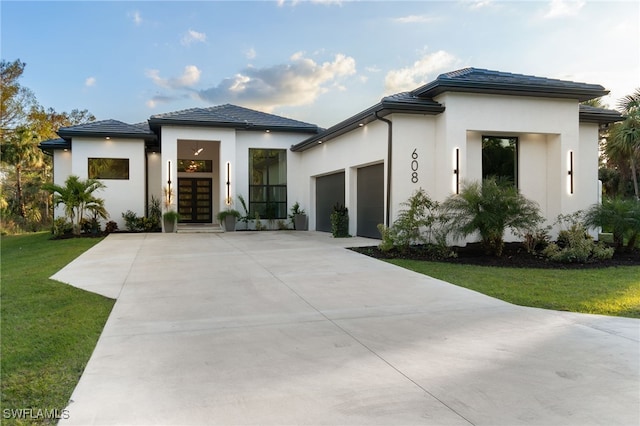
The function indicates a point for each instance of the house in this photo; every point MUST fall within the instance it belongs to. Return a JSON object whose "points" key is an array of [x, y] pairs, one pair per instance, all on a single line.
{"points": [[463, 126]]}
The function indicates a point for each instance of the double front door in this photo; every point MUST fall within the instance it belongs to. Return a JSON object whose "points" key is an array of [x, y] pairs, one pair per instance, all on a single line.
{"points": [[194, 200]]}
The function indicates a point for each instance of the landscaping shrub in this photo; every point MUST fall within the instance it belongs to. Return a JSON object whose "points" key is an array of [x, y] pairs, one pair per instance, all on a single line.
{"points": [[620, 216], [61, 227], [340, 221], [132, 222], [110, 227], [575, 244], [489, 208], [415, 225]]}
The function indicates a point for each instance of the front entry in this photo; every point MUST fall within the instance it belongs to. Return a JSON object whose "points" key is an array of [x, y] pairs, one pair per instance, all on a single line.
{"points": [[194, 200]]}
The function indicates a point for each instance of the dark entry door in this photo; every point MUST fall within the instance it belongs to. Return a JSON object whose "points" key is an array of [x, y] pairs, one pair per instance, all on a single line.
{"points": [[370, 200], [194, 200], [329, 191]]}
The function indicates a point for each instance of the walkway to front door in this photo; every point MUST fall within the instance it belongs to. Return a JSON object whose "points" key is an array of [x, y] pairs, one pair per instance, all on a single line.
{"points": [[194, 200]]}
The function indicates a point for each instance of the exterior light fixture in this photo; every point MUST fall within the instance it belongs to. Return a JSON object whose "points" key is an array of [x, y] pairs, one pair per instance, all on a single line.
{"points": [[456, 170], [570, 173], [107, 138], [267, 131], [361, 125], [319, 142], [227, 200]]}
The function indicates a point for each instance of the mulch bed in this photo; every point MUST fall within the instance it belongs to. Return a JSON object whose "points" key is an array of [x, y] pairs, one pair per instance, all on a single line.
{"points": [[513, 256]]}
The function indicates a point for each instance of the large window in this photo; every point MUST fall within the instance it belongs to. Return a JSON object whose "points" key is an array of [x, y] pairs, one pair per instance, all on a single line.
{"points": [[268, 183], [500, 158], [109, 168]]}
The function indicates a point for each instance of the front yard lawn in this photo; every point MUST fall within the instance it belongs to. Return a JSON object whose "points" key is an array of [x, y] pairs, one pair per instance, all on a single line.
{"points": [[607, 291], [49, 329]]}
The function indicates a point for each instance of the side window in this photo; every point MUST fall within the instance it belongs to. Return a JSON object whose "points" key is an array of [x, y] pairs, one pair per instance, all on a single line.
{"points": [[500, 158], [268, 183], [109, 168]]}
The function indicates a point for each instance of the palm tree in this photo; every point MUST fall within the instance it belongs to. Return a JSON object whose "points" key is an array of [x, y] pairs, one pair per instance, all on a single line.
{"points": [[489, 208], [21, 151], [77, 197], [621, 216], [624, 141]]}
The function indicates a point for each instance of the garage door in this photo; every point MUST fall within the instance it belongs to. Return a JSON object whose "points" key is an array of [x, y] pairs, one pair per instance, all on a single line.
{"points": [[370, 200], [329, 191]]}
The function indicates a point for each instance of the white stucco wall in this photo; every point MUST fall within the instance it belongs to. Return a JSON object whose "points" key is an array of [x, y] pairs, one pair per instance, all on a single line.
{"points": [[119, 195], [547, 130], [233, 147], [362, 147]]}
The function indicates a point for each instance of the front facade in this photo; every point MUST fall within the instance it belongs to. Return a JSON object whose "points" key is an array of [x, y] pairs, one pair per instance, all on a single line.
{"points": [[464, 126]]}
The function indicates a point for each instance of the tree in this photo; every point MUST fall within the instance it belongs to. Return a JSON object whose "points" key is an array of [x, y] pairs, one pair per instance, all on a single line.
{"points": [[21, 151], [489, 208], [77, 197], [46, 122], [15, 100], [622, 148]]}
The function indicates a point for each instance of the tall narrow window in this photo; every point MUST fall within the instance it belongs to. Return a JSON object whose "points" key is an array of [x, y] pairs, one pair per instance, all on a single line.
{"points": [[500, 158], [268, 183]]}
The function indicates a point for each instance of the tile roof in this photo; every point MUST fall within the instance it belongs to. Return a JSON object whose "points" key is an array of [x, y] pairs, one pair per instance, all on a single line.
{"points": [[496, 82], [107, 128], [49, 145], [589, 114], [231, 116]]}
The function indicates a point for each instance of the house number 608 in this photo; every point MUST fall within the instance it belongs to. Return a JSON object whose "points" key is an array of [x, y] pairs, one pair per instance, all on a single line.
{"points": [[414, 166]]}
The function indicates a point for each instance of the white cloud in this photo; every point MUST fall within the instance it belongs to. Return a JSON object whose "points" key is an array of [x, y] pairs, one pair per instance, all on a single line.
{"points": [[90, 81], [250, 53], [295, 2], [189, 77], [561, 8], [298, 82], [479, 4], [135, 17], [412, 19], [409, 78], [193, 36]]}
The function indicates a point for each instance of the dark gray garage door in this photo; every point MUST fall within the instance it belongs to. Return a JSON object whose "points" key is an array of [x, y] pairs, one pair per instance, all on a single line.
{"points": [[370, 200], [329, 191]]}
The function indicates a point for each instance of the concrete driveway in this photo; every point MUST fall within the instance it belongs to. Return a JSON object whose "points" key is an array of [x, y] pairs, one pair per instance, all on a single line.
{"points": [[290, 328]]}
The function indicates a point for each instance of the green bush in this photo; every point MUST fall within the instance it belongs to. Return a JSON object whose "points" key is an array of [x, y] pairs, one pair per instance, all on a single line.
{"points": [[575, 245], [489, 208], [340, 221], [61, 227], [132, 222], [620, 216]]}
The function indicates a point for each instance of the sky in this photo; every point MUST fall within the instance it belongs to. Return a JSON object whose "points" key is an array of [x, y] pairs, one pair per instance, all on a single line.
{"points": [[317, 61]]}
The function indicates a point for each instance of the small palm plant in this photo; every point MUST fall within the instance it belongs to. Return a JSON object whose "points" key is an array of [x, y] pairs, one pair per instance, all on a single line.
{"points": [[489, 208], [621, 216], [77, 197]]}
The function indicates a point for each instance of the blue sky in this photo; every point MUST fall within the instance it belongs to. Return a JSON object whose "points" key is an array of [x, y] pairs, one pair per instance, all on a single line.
{"points": [[316, 61]]}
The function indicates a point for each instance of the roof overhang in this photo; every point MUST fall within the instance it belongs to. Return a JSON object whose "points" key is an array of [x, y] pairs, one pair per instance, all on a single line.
{"points": [[388, 105], [589, 114], [49, 146], [156, 123]]}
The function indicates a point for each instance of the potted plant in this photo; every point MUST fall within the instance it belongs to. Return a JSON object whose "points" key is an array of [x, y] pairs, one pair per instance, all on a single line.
{"points": [[229, 218], [298, 217], [170, 219]]}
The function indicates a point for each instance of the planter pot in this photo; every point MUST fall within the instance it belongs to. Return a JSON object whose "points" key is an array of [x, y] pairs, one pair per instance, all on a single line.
{"points": [[230, 223], [169, 225], [300, 222]]}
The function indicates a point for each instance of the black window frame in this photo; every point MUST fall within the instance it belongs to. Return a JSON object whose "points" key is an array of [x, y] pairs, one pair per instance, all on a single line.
{"points": [[92, 172], [516, 150], [272, 202]]}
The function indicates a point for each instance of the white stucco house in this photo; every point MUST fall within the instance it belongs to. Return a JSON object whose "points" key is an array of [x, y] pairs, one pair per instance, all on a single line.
{"points": [[463, 126]]}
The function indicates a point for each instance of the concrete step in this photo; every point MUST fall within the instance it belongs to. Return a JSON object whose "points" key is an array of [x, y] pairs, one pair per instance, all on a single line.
{"points": [[197, 228]]}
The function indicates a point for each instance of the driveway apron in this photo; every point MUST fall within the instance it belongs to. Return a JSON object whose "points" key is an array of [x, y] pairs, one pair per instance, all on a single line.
{"points": [[291, 328]]}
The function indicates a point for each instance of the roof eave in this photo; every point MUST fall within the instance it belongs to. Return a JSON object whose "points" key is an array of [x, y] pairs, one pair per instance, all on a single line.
{"points": [[67, 134], [156, 123], [436, 88], [381, 109]]}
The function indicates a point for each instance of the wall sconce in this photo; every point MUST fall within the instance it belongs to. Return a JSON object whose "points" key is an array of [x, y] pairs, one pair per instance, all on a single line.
{"points": [[227, 200], [456, 170], [570, 173]]}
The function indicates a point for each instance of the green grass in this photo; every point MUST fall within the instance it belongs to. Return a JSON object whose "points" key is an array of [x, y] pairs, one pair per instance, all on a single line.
{"points": [[608, 291], [49, 329]]}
